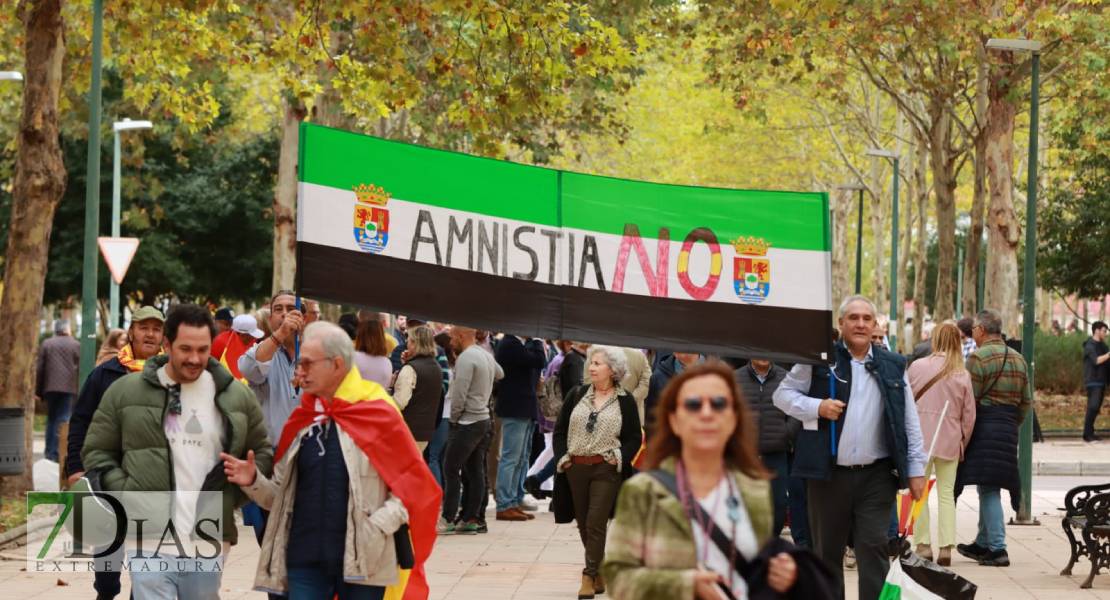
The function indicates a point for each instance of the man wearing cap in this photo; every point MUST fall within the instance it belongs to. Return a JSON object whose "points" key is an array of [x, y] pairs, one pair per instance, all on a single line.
{"points": [[225, 318], [144, 341], [244, 335], [56, 380]]}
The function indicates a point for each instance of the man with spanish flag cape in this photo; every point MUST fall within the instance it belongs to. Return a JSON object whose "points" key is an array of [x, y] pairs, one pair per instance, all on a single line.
{"points": [[244, 334], [365, 523]]}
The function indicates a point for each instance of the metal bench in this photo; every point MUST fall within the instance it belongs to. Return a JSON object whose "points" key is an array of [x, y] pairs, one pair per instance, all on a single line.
{"points": [[1087, 513]]}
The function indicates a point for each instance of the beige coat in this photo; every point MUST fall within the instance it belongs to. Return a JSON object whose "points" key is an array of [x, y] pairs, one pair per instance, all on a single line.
{"points": [[373, 515]]}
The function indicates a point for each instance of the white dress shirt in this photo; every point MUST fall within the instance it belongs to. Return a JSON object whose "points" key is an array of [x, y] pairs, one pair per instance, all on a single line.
{"points": [[862, 440]]}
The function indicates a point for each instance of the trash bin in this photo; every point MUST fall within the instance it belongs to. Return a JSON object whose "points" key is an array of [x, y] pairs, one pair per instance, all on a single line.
{"points": [[11, 441]]}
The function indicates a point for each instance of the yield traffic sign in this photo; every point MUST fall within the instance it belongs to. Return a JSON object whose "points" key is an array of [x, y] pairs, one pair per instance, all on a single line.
{"points": [[118, 253]]}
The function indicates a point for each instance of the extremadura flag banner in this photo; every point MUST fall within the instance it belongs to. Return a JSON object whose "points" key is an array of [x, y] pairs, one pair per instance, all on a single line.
{"points": [[560, 255]]}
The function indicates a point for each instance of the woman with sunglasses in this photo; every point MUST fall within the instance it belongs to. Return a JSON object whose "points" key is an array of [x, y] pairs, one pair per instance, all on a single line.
{"points": [[707, 479], [597, 436]]}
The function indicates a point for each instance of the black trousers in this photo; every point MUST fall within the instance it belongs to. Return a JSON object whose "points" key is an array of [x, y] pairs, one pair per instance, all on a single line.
{"points": [[856, 503], [1094, 404], [464, 454]]}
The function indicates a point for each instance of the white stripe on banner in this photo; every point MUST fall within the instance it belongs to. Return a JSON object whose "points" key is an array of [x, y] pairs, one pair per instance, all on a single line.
{"points": [[562, 256]]}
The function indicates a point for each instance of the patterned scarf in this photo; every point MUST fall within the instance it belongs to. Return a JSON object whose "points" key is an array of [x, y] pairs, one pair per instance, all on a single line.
{"points": [[127, 359]]}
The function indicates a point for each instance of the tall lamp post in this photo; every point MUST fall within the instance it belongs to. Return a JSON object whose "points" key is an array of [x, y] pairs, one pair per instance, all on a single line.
{"points": [[859, 229], [1029, 326], [92, 203], [893, 334], [117, 127]]}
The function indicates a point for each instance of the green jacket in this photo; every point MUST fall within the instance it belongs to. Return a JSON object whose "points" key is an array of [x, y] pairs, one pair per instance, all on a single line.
{"points": [[127, 442], [650, 551]]}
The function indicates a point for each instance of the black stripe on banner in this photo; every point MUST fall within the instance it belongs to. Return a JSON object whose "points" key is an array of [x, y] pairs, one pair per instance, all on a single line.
{"points": [[528, 308]]}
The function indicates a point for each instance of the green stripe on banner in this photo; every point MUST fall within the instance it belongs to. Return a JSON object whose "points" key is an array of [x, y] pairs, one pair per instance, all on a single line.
{"points": [[793, 220], [340, 159]]}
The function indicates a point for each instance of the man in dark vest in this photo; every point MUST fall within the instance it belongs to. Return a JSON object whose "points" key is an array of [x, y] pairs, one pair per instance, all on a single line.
{"points": [[860, 442]]}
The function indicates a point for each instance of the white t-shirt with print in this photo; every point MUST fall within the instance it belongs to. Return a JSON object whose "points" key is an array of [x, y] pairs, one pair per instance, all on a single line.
{"points": [[196, 439]]}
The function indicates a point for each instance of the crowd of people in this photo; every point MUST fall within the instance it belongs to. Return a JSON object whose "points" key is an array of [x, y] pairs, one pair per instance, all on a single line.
{"points": [[350, 446]]}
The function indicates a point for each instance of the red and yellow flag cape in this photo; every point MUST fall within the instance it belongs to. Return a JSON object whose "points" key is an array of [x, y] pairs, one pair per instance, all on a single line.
{"points": [[230, 357], [365, 412]]}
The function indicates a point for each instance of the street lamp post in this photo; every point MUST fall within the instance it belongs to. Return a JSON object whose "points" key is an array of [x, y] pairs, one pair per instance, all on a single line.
{"points": [[893, 334], [92, 203], [117, 127], [859, 230], [1029, 326]]}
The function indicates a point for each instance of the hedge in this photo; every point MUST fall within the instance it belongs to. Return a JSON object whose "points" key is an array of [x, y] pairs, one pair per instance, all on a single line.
{"points": [[1059, 363]]}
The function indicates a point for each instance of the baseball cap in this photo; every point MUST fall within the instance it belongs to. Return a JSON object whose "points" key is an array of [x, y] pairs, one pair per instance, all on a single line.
{"points": [[248, 325], [147, 312], [225, 314]]}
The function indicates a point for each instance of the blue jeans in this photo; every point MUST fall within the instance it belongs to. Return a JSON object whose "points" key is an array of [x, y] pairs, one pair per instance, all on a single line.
{"points": [[512, 468], [58, 407], [317, 584], [992, 522], [161, 579], [436, 447], [546, 472]]}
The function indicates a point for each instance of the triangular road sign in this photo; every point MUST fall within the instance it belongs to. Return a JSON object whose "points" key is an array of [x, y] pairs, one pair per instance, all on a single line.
{"points": [[118, 253]]}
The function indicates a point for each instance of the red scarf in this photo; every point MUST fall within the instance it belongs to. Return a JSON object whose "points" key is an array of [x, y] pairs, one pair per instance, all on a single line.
{"points": [[365, 412]]}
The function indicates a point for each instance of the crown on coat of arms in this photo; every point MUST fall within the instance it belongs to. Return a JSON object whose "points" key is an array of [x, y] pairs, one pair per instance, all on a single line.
{"points": [[371, 194], [751, 245]]}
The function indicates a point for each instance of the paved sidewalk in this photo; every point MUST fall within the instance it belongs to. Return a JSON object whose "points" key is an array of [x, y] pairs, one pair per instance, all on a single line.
{"points": [[1073, 457], [538, 559]]}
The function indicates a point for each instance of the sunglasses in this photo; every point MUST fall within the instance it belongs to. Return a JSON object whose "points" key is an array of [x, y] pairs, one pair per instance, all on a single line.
{"points": [[694, 404], [591, 422], [175, 399]]}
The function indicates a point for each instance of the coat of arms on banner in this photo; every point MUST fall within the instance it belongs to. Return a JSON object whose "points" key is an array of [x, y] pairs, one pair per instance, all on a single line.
{"points": [[752, 269], [371, 219]]}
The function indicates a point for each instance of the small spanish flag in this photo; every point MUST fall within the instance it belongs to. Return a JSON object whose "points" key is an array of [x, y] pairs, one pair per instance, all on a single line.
{"points": [[230, 358]]}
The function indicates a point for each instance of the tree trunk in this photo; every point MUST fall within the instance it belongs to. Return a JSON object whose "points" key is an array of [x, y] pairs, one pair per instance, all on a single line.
{"points": [[40, 181], [843, 254], [878, 237], [1044, 309], [942, 162], [906, 226], [1003, 228], [974, 242], [920, 265], [285, 199]]}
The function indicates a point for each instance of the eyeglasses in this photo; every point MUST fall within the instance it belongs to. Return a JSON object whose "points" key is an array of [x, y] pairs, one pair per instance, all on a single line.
{"points": [[591, 422], [305, 364], [694, 404]]}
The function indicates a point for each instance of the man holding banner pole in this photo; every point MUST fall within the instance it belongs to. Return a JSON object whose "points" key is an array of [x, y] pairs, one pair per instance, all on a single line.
{"points": [[860, 442]]}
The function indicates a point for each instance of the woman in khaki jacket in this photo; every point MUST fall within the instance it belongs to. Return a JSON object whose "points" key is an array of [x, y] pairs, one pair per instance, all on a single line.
{"points": [[659, 546], [332, 515]]}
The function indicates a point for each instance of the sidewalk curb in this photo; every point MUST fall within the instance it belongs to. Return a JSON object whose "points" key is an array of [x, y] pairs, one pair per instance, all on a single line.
{"points": [[1082, 468]]}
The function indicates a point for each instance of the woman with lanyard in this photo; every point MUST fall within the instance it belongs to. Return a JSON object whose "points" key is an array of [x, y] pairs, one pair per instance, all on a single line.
{"points": [[688, 527], [597, 436]]}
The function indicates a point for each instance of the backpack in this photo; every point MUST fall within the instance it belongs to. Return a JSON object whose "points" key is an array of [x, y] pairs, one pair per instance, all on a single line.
{"points": [[551, 399]]}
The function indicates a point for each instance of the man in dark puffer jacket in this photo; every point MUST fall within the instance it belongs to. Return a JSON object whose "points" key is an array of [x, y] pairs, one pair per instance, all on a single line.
{"points": [[758, 381], [163, 430], [1000, 381]]}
